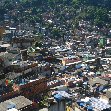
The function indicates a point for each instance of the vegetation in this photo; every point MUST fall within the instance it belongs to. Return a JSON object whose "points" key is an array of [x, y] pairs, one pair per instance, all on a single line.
{"points": [[96, 11]]}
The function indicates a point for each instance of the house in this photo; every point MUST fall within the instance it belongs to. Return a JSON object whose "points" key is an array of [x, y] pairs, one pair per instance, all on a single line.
{"points": [[22, 42], [70, 59], [3, 47], [108, 95], [21, 68], [107, 51], [7, 57], [57, 106], [97, 80], [7, 37], [20, 103], [2, 75], [8, 34]]}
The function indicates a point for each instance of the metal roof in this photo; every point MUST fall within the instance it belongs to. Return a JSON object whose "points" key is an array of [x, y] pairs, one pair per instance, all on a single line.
{"points": [[108, 94], [97, 80], [19, 101]]}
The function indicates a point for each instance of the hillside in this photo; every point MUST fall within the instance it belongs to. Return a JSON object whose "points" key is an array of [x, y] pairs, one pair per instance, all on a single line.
{"points": [[32, 11]]}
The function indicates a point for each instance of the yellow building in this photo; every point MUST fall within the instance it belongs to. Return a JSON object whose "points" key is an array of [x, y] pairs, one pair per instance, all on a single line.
{"points": [[68, 108]]}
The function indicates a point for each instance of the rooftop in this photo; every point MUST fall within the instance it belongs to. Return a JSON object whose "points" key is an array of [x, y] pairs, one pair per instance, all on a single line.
{"points": [[20, 102]]}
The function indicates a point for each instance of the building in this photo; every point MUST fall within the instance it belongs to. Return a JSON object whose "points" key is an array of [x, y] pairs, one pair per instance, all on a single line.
{"points": [[22, 42], [20, 103]]}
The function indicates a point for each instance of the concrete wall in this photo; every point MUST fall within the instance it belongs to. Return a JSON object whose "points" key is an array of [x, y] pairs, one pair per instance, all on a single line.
{"points": [[60, 106], [53, 107]]}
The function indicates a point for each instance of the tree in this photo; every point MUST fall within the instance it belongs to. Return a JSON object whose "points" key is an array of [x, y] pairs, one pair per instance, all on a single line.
{"points": [[38, 44]]}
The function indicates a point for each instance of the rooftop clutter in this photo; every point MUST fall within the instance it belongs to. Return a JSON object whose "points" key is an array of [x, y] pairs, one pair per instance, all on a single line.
{"points": [[75, 60]]}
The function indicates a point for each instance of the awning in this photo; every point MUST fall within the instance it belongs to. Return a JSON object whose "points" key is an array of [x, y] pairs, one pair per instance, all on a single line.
{"points": [[58, 97], [63, 94]]}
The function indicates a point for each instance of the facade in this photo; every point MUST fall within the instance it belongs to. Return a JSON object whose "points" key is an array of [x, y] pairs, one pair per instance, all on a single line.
{"points": [[22, 42], [57, 106]]}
